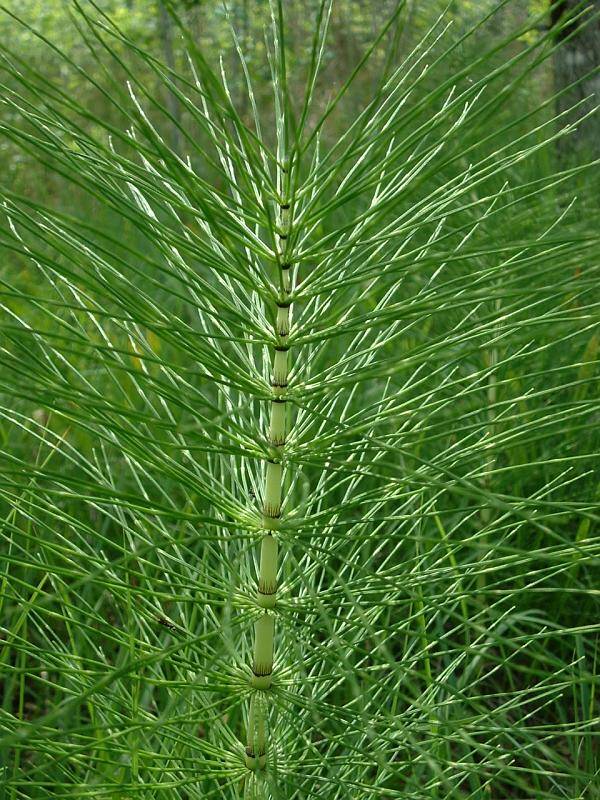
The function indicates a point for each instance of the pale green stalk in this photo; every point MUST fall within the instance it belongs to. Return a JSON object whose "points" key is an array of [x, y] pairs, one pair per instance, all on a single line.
{"points": [[264, 628]]}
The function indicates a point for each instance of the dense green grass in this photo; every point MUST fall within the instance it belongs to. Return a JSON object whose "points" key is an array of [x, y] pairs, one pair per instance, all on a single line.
{"points": [[436, 623]]}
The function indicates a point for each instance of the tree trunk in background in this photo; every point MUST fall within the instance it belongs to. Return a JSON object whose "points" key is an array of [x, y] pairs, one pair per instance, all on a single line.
{"points": [[246, 47], [165, 28], [577, 57]]}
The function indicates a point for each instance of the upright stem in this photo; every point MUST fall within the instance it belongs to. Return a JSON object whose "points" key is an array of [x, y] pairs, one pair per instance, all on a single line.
{"points": [[264, 627]]}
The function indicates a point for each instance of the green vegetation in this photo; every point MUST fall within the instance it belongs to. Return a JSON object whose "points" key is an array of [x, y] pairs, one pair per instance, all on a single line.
{"points": [[299, 405]]}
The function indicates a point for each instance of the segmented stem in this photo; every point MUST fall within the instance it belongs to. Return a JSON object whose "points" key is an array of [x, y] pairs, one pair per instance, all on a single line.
{"points": [[264, 627]]}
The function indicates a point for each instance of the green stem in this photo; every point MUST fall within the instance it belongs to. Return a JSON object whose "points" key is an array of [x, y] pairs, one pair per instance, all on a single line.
{"points": [[256, 742], [267, 579], [264, 627]]}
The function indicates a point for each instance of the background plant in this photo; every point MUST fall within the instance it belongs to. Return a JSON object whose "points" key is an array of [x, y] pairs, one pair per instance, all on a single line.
{"points": [[435, 624]]}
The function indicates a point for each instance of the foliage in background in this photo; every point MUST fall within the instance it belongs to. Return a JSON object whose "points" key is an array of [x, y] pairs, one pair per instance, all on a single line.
{"points": [[437, 617]]}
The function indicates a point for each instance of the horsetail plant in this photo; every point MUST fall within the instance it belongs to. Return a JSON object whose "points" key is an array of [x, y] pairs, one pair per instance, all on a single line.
{"points": [[299, 414]]}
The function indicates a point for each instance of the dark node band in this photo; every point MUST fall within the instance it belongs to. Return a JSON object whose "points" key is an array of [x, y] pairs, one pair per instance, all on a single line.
{"points": [[282, 348], [286, 304], [262, 672], [278, 400], [267, 592], [286, 266], [279, 385], [271, 513], [285, 206], [283, 236], [251, 754]]}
